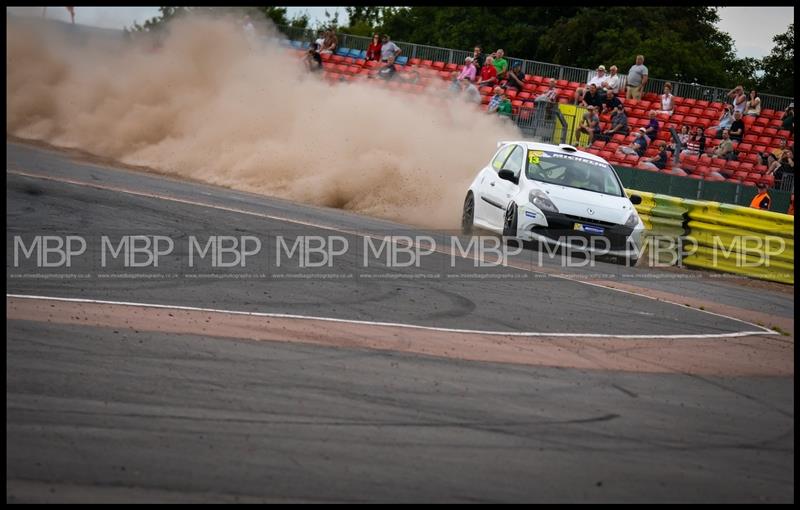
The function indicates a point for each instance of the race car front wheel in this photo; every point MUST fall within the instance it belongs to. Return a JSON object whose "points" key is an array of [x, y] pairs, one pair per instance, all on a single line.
{"points": [[510, 222], [468, 216]]}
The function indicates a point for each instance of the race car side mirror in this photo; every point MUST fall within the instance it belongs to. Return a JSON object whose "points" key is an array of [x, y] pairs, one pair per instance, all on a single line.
{"points": [[507, 175], [636, 199]]}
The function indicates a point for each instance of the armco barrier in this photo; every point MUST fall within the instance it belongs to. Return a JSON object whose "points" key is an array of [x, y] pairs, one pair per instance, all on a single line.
{"points": [[722, 237]]}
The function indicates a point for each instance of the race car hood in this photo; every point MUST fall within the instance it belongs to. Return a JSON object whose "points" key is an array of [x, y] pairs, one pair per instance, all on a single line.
{"points": [[578, 202]]}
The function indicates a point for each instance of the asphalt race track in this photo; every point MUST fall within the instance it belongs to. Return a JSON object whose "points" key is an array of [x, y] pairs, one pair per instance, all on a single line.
{"points": [[519, 383]]}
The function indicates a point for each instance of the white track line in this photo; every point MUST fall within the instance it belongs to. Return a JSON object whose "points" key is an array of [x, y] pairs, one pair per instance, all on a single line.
{"points": [[762, 329], [388, 324]]}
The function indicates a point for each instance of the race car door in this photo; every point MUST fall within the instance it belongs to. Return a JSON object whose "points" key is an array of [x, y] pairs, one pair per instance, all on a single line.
{"points": [[499, 191]]}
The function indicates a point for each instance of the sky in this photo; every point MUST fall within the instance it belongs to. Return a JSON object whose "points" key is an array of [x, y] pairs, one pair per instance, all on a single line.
{"points": [[752, 28]]}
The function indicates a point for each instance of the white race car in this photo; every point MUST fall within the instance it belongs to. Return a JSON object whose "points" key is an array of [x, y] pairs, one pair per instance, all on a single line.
{"points": [[558, 195]]}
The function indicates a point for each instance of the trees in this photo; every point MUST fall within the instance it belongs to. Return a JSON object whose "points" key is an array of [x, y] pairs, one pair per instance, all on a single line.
{"points": [[779, 65]]}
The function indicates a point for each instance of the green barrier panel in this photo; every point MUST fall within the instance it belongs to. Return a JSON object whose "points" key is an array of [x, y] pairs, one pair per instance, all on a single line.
{"points": [[704, 258]]}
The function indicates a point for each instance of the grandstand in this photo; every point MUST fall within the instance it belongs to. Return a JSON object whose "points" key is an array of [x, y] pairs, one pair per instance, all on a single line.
{"points": [[762, 134]]}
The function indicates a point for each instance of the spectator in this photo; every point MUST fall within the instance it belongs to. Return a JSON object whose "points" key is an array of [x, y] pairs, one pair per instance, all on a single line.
{"points": [[504, 109], [494, 102], [470, 91], [579, 93], [321, 39], [599, 78], [762, 200], [725, 149], [478, 58], [737, 127], [780, 168], [488, 73], [619, 123], [753, 105], [468, 71], [610, 101], [787, 121], [683, 136], [455, 84], [667, 104], [312, 60], [651, 130], [697, 143], [590, 124], [782, 147], [389, 49], [388, 70], [330, 42], [501, 65], [637, 147], [637, 79], [374, 49], [659, 161], [739, 100], [592, 97], [550, 95], [516, 78], [612, 81], [725, 121]]}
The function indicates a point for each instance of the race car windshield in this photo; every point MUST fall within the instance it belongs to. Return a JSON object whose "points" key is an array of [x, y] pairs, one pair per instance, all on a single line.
{"points": [[572, 171]]}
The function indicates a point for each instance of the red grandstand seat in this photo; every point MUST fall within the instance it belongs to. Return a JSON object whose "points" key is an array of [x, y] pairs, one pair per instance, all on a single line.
{"points": [[758, 148], [573, 85], [689, 101], [751, 158], [761, 169], [485, 90], [747, 167], [694, 176], [523, 95], [631, 159], [702, 103], [785, 133], [562, 83], [697, 112], [710, 113], [612, 146], [750, 139], [645, 105], [756, 130], [650, 96], [732, 165], [702, 170], [748, 120], [770, 132], [414, 61], [445, 75], [768, 113], [537, 79], [606, 154], [769, 180], [372, 63], [762, 121], [638, 113], [485, 99], [710, 133], [528, 105], [427, 63], [511, 93], [775, 123], [516, 103], [744, 147], [438, 65], [764, 140]]}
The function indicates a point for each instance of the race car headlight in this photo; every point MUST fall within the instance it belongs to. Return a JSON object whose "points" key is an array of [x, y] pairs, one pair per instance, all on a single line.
{"points": [[542, 201], [633, 220]]}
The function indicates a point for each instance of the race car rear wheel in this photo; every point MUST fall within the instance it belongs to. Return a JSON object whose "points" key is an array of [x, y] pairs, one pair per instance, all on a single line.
{"points": [[468, 216], [510, 222]]}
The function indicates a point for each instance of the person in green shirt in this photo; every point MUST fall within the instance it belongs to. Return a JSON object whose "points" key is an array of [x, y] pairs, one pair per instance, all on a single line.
{"points": [[501, 64], [505, 106]]}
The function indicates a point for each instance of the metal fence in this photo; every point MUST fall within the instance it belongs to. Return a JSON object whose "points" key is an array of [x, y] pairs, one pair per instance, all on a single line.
{"points": [[559, 72]]}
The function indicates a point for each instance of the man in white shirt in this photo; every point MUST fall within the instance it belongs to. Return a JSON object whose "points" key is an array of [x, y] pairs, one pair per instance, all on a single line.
{"points": [[389, 49], [612, 80], [599, 78]]}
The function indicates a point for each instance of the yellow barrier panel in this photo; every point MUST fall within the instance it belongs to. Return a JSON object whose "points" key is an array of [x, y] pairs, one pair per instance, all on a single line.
{"points": [[729, 238]]}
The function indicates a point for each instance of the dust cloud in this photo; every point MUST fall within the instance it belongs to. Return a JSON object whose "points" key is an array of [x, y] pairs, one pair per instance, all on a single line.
{"points": [[211, 105]]}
